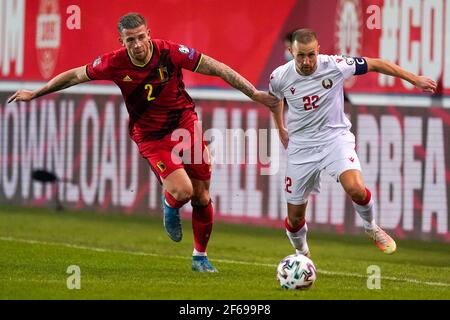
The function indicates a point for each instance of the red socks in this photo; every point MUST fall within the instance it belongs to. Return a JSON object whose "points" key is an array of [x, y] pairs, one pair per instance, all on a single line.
{"points": [[366, 200], [293, 230], [174, 203], [202, 222]]}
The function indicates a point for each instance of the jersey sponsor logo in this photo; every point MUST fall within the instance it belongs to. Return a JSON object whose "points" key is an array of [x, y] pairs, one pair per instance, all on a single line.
{"points": [[338, 60], [183, 49], [96, 62], [161, 166], [327, 83], [293, 90], [127, 78], [351, 159]]}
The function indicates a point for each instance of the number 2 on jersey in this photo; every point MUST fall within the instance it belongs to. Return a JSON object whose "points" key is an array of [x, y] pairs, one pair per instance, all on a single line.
{"points": [[288, 183], [309, 103], [149, 87]]}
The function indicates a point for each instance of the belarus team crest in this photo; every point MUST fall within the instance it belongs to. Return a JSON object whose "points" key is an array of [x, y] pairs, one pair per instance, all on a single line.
{"points": [[327, 83]]}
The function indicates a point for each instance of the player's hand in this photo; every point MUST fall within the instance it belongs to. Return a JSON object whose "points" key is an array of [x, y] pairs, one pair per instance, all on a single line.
{"points": [[21, 95], [266, 99], [426, 84], [283, 133]]}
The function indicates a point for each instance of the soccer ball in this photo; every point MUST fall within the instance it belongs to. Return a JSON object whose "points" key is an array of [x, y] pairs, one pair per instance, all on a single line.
{"points": [[296, 272]]}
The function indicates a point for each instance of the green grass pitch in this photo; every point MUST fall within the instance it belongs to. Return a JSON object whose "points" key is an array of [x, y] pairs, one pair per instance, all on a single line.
{"points": [[130, 257]]}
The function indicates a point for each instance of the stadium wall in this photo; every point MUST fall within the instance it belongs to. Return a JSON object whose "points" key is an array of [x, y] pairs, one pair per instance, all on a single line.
{"points": [[81, 134]]}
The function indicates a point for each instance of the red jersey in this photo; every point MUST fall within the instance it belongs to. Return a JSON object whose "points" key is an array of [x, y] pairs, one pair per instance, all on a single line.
{"points": [[154, 93]]}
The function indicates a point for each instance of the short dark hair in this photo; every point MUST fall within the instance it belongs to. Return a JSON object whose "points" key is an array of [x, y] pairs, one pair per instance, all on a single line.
{"points": [[288, 36], [130, 21], [304, 36]]}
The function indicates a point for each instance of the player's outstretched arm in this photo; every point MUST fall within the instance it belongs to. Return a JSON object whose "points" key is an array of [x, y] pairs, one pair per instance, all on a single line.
{"points": [[383, 66], [212, 67], [61, 81]]}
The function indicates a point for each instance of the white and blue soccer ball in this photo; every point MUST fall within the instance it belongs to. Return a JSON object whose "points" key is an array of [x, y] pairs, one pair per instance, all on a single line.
{"points": [[296, 272]]}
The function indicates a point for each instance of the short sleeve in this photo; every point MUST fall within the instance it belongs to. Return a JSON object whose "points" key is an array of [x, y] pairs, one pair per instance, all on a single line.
{"points": [[99, 68], [185, 57], [350, 66], [274, 86]]}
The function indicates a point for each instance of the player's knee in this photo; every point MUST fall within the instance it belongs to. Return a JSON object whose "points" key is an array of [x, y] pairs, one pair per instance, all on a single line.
{"points": [[183, 194], [357, 192], [296, 221], [201, 199]]}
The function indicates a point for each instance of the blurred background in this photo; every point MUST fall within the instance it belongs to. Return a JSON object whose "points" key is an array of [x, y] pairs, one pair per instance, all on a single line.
{"points": [[80, 135]]}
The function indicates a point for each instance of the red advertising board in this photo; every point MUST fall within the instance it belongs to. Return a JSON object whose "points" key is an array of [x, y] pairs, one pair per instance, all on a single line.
{"points": [[44, 37]]}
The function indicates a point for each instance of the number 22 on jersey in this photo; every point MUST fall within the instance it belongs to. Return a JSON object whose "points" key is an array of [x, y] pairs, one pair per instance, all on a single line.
{"points": [[310, 103]]}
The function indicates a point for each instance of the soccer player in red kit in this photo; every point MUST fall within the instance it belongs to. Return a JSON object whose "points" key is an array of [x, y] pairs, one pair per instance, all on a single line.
{"points": [[149, 75]]}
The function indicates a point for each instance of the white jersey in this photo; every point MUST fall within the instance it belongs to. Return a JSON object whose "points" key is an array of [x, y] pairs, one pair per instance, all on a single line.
{"points": [[316, 102]]}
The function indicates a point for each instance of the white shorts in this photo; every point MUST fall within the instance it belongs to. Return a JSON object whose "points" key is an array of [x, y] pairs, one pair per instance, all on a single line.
{"points": [[304, 166]]}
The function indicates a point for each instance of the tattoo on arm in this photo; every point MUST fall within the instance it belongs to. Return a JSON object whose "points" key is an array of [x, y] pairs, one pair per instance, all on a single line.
{"points": [[211, 67]]}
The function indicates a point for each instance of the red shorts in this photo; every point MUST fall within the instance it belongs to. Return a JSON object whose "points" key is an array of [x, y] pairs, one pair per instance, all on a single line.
{"points": [[184, 148]]}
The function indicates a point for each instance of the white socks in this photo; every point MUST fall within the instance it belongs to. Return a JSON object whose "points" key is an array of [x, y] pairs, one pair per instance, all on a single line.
{"points": [[298, 239], [366, 213], [198, 253]]}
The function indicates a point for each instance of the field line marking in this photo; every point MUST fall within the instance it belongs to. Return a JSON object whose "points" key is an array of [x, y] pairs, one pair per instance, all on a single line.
{"points": [[137, 253]]}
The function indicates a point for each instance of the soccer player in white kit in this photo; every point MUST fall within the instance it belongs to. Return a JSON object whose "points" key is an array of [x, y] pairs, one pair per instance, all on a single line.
{"points": [[318, 136]]}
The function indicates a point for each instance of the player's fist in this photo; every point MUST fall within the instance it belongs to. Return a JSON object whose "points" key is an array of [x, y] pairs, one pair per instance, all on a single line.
{"points": [[426, 84], [266, 99], [21, 95]]}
